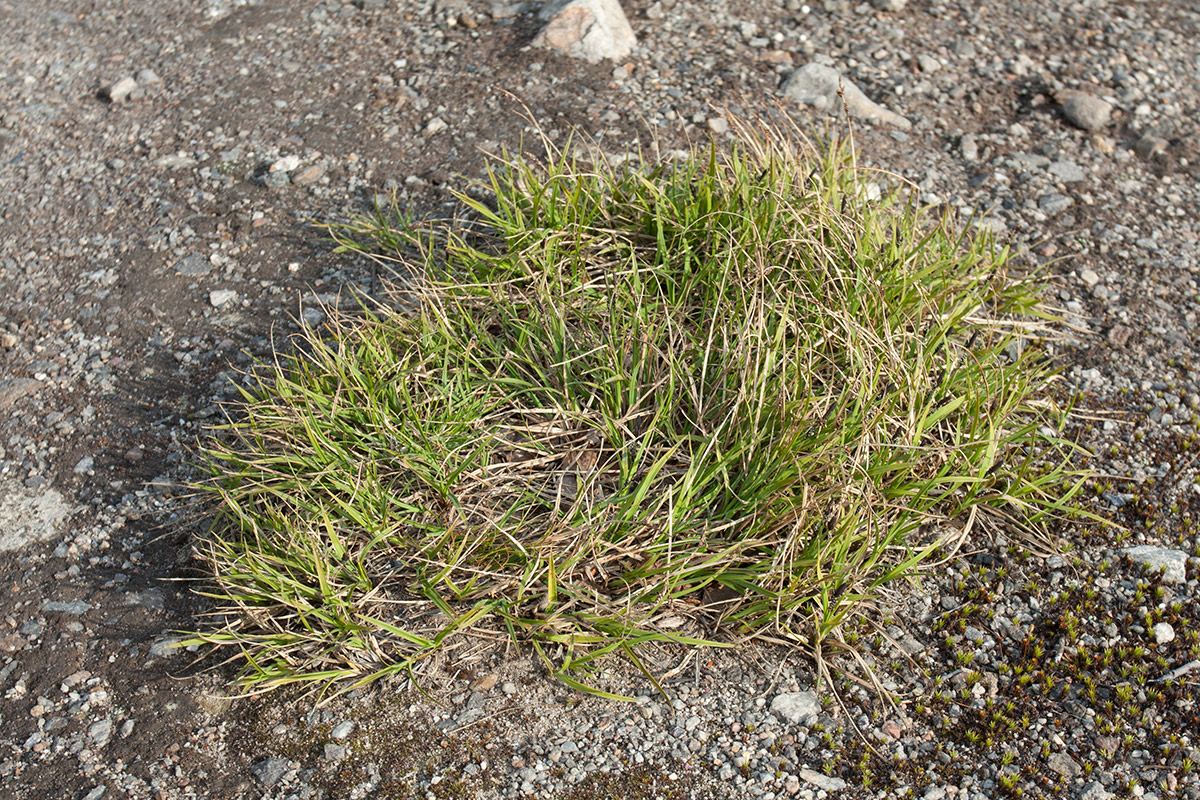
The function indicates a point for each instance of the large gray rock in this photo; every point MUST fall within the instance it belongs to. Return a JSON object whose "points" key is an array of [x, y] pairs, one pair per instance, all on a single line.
{"points": [[589, 29], [1172, 563], [798, 708], [817, 85]]}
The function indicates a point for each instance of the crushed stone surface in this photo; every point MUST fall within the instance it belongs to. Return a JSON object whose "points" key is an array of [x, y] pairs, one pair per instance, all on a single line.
{"points": [[160, 164]]}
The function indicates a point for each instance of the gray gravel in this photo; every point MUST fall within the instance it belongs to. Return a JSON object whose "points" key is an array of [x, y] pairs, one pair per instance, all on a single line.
{"points": [[159, 166]]}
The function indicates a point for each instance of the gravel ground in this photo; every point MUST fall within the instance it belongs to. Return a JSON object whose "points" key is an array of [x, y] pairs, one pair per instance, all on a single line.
{"points": [[159, 166]]}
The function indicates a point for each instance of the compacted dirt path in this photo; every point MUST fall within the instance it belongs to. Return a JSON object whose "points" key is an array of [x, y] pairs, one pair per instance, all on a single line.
{"points": [[160, 167]]}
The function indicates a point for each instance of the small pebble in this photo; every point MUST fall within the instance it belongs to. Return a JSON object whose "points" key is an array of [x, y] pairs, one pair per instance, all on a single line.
{"points": [[1054, 203], [928, 63], [193, 265], [309, 175], [119, 92], [718, 125], [1149, 146], [484, 683], [276, 180], [434, 127], [269, 771], [1067, 171]]}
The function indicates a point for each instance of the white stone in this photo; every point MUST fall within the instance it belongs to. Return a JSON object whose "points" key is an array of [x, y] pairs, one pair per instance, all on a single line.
{"points": [[342, 730], [928, 63], [119, 92], [817, 85], [176, 161], [286, 164], [1172, 563], [1094, 791], [167, 647], [589, 29], [718, 125], [1164, 633], [798, 708], [822, 781], [220, 297]]}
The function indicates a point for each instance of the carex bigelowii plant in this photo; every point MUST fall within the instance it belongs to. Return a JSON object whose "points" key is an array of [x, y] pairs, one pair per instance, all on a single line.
{"points": [[697, 401]]}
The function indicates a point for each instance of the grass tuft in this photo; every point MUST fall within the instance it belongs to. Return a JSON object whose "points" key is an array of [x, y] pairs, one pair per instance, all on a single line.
{"points": [[700, 401]]}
